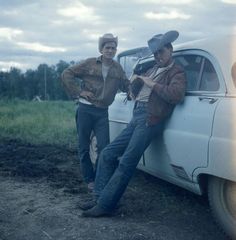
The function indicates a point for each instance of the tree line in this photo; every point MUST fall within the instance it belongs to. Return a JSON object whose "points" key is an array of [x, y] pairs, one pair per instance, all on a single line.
{"points": [[42, 83]]}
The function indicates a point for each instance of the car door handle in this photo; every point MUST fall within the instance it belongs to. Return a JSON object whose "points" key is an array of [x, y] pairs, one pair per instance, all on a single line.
{"points": [[211, 100]]}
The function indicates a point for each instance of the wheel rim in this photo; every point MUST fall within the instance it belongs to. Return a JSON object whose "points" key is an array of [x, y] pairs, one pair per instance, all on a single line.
{"points": [[229, 198]]}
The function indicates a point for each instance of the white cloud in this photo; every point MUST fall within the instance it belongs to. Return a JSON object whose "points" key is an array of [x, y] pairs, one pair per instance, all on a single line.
{"points": [[9, 33], [174, 14], [87, 33], [229, 1], [61, 23], [79, 12], [38, 47], [10, 13], [5, 66], [160, 2], [39, 31]]}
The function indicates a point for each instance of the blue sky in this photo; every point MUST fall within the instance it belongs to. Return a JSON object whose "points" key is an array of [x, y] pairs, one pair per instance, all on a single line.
{"points": [[43, 31]]}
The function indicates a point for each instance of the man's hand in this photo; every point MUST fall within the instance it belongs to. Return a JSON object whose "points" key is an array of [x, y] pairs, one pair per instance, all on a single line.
{"points": [[148, 81], [135, 86], [87, 95], [134, 76]]}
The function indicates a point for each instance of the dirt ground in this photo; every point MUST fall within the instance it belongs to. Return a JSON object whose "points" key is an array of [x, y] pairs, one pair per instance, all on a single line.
{"points": [[40, 187]]}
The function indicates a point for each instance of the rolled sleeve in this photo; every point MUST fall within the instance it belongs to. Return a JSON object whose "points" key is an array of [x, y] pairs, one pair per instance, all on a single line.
{"points": [[70, 80]]}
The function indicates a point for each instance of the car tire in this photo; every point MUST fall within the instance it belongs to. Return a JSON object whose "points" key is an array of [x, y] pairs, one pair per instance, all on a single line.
{"points": [[93, 148], [222, 200]]}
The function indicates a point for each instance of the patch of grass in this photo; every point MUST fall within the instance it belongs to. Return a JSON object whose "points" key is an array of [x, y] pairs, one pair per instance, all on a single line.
{"points": [[48, 122]]}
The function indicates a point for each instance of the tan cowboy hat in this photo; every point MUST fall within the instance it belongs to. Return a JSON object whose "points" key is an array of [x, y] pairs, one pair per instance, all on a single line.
{"points": [[160, 40], [107, 37]]}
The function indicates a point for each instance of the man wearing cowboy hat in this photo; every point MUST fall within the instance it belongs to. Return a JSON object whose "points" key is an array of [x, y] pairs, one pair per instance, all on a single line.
{"points": [[163, 87], [94, 84]]}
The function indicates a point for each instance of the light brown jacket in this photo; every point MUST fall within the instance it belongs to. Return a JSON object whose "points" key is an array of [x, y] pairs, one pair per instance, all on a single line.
{"points": [[88, 76]]}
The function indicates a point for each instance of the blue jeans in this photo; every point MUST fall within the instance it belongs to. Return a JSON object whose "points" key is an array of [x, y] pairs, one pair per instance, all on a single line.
{"points": [[90, 118], [113, 176]]}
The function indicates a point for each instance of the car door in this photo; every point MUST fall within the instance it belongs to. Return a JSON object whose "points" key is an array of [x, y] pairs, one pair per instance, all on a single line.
{"points": [[183, 146], [120, 114]]}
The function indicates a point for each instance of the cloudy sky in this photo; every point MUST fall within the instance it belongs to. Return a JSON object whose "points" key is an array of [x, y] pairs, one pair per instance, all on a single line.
{"points": [[46, 31]]}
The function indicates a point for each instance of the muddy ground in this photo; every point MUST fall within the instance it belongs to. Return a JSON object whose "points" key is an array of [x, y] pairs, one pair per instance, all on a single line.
{"points": [[40, 186]]}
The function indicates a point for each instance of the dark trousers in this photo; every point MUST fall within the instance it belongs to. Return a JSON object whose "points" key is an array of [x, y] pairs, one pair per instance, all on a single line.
{"points": [[90, 118], [113, 176]]}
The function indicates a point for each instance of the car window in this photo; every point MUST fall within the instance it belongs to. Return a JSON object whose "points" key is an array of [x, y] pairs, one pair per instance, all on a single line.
{"points": [[129, 58], [127, 62], [192, 66], [209, 80], [200, 73]]}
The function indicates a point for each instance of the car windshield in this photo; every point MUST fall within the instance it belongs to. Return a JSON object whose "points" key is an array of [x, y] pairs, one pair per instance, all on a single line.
{"points": [[129, 58]]}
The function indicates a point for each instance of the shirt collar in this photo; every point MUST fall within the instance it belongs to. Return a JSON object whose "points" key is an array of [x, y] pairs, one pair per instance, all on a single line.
{"points": [[99, 59]]}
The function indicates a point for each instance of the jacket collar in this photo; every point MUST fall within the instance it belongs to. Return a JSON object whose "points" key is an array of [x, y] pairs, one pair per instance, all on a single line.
{"points": [[99, 59]]}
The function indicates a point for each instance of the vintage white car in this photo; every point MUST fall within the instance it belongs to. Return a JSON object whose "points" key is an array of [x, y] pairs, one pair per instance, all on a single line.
{"points": [[198, 148]]}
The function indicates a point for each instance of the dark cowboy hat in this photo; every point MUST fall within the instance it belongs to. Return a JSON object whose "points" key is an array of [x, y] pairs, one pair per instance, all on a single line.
{"points": [[107, 37], [160, 40]]}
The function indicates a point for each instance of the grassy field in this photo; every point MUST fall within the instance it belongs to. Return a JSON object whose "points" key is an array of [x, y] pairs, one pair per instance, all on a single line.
{"points": [[49, 122]]}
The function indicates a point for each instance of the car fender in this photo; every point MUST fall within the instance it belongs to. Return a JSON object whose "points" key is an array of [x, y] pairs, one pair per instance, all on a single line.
{"points": [[222, 145]]}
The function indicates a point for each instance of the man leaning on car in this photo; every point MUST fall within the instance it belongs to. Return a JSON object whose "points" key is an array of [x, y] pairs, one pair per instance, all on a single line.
{"points": [[161, 88]]}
